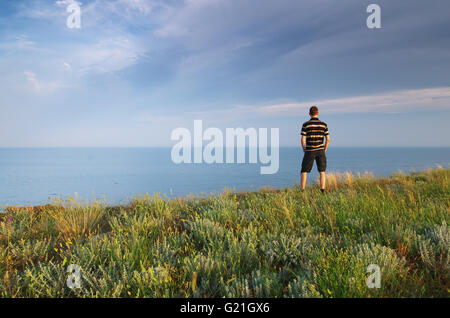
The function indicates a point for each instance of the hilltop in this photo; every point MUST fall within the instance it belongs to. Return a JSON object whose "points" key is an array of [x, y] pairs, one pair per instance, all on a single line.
{"points": [[268, 243]]}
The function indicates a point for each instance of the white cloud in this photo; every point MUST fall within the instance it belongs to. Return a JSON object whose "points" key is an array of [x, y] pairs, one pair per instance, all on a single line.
{"points": [[388, 103], [67, 66], [106, 56], [142, 6], [157, 119], [67, 2], [393, 102], [42, 87], [191, 19], [31, 77], [19, 42]]}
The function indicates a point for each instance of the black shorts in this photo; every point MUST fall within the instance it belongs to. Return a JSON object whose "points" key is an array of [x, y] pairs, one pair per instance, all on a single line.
{"points": [[310, 156]]}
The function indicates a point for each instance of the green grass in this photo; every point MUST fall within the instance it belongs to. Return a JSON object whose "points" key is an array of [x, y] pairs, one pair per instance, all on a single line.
{"points": [[269, 243]]}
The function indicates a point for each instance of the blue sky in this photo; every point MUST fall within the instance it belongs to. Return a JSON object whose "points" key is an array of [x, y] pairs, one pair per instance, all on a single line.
{"points": [[137, 69]]}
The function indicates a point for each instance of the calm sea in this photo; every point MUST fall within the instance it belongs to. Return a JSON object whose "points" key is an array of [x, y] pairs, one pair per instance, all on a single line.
{"points": [[30, 176]]}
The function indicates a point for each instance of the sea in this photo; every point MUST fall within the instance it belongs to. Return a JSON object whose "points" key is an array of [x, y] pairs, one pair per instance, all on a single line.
{"points": [[35, 176]]}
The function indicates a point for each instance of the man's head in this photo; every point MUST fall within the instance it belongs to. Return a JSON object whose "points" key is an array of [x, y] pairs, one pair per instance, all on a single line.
{"points": [[313, 111]]}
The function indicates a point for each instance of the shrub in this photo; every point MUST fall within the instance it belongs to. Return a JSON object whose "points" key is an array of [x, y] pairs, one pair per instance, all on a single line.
{"points": [[434, 248]]}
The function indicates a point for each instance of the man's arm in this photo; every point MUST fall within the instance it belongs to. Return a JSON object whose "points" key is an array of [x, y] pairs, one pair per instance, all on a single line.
{"points": [[304, 143], [327, 142], [303, 133]]}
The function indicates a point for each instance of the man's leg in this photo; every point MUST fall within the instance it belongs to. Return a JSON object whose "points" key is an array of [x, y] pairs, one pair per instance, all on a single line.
{"points": [[304, 175], [307, 164], [322, 180], [322, 166]]}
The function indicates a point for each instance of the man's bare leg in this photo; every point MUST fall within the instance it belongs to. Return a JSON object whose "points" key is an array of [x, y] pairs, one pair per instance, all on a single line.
{"points": [[322, 180], [304, 175]]}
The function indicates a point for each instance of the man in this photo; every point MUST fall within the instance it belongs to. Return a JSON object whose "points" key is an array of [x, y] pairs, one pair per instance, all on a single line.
{"points": [[313, 133]]}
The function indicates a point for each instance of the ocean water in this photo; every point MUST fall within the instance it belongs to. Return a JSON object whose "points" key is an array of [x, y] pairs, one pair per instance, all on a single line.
{"points": [[30, 176]]}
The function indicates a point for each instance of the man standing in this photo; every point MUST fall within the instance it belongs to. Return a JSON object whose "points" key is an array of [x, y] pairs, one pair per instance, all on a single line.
{"points": [[314, 131]]}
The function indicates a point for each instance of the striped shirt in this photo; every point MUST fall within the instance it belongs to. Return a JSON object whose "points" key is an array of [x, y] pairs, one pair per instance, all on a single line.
{"points": [[314, 130]]}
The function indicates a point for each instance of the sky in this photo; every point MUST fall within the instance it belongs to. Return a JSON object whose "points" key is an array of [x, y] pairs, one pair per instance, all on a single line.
{"points": [[137, 69]]}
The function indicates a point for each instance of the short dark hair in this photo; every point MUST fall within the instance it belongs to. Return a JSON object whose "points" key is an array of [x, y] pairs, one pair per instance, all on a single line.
{"points": [[313, 111]]}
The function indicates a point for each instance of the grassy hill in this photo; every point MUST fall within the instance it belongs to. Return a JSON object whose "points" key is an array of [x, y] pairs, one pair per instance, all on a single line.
{"points": [[269, 243]]}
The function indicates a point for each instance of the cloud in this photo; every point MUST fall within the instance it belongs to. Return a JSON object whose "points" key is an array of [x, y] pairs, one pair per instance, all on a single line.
{"points": [[42, 87], [104, 44], [142, 6], [157, 119], [106, 56], [67, 66], [31, 77], [67, 2], [393, 102], [402, 101], [18, 42]]}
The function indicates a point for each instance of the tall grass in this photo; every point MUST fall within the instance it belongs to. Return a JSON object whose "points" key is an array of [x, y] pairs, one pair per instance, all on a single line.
{"points": [[269, 243]]}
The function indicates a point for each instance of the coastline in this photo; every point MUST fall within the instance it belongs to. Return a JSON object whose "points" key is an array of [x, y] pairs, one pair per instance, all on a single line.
{"points": [[279, 243]]}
